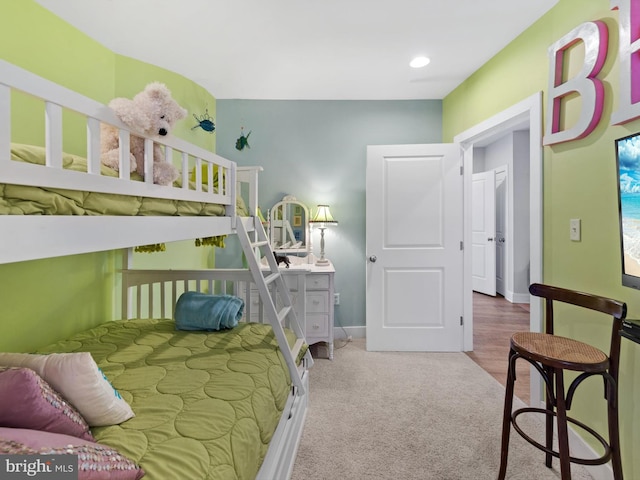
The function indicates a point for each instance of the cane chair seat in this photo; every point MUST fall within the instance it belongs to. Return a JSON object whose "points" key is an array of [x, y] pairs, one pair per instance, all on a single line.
{"points": [[559, 352]]}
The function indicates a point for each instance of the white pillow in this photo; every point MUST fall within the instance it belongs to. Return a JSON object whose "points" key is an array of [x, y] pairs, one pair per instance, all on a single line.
{"points": [[78, 379]]}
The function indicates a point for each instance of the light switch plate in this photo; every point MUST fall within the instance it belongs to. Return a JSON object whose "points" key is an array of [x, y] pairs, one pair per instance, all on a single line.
{"points": [[574, 229]]}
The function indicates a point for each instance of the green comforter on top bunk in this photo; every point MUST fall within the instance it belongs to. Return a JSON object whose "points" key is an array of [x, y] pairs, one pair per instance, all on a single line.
{"points": [[206, 403], [28, 200]]}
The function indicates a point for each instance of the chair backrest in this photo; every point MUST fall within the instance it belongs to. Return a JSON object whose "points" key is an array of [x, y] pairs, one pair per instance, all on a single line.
{"points": [[615, 308]]}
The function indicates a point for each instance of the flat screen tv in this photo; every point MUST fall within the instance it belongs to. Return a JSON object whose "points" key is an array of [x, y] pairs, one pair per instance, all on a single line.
{"points": [[628, 168]]}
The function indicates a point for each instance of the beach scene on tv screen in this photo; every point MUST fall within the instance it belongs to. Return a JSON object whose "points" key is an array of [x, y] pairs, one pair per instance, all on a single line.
{"points": [[629, 169]]}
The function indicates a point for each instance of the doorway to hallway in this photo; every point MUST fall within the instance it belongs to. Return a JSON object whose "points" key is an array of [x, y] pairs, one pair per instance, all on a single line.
{"points": [[523, 116]]}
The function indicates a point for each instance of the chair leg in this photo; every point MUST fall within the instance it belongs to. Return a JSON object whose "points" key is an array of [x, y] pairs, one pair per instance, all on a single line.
{"points": [[614, 439], [614, 431], [550, 405], [563, 433], [506, 415]]}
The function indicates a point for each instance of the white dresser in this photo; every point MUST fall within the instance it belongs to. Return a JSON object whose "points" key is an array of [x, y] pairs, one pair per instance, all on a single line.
{"points": [[318, 320], [311, 289]]}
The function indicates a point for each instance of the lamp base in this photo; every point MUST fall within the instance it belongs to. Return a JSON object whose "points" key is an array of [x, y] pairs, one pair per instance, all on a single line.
{"points": [[322, 262]]}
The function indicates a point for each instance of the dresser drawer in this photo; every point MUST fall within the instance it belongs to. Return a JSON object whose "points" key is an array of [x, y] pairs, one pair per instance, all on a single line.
{"points": [[317, 302], [291, 281], [318, 282], [317, 325]]}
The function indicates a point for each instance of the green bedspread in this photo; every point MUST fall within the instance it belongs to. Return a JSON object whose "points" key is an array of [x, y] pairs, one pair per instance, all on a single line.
{"points": [[206, 403], [27, 200]]}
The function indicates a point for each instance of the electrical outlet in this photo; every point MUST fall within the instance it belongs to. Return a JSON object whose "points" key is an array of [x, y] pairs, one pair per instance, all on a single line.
{"points": [[336, 299]]}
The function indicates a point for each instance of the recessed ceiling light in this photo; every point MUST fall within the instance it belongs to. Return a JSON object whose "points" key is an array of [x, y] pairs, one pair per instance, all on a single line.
{"points": [[419, 62]]}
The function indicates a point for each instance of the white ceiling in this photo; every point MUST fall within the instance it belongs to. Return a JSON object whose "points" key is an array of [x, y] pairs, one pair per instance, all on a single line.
{"points": [[303, 49]]}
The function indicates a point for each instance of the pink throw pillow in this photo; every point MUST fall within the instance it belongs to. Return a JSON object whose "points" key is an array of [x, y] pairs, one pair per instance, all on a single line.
{"points": [[78, 379], [27, 401], [95, 461]]}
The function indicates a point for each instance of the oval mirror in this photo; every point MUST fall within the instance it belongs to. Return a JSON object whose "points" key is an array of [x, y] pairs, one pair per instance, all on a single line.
{"points": [[289, 227]]}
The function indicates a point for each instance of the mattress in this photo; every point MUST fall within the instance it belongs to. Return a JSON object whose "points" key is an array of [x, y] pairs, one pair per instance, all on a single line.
{"points": [[206, 404], [28, 200]]}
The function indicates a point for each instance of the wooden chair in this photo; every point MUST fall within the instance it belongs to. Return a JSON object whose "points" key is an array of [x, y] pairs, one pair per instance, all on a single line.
{"points": [[551, 355]]}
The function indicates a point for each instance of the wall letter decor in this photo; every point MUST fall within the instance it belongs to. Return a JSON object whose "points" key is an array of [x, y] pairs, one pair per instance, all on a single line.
{"points": [[629, 61], [595, 37]]}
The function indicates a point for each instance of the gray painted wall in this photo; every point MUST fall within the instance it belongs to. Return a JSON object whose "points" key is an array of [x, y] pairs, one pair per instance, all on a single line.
{"points": [[316, 151]]}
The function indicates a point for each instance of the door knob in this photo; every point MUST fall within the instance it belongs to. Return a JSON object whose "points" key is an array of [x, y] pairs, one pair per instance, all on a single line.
{"points": [[373, 259], [501, 240], [490, 239]]}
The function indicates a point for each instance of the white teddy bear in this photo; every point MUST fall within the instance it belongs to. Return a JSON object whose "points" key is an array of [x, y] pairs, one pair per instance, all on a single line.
{"points": [[152, 112]]}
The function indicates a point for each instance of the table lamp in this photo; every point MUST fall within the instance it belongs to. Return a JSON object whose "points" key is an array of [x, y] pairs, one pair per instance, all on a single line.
{"points": [[321, 220]]}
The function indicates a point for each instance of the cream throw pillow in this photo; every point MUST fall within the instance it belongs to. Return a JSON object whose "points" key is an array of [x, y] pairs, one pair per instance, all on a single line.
{"points": [[78, 379]]}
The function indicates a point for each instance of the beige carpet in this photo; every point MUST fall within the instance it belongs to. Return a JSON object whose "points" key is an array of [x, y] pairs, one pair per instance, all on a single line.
{"points": [[402, 416]]}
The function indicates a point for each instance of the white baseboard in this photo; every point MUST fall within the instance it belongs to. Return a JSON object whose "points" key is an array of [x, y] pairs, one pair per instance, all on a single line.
{"points": [[581, 449], [354, 332], [516, 297]]}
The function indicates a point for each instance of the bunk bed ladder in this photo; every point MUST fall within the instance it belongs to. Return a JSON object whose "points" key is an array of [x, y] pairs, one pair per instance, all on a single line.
{"points": [[286, 316]]}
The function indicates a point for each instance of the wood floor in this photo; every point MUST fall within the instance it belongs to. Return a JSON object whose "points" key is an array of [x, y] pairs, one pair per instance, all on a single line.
{"points": [[494, 321]]}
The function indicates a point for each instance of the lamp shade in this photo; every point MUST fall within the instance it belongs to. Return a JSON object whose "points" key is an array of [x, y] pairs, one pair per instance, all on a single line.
{"points": [[323, 215]]}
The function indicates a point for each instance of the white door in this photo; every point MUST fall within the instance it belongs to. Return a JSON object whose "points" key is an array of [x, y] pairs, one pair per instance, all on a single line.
{"points": [[501, 229], [414, 257], [483, 232]]}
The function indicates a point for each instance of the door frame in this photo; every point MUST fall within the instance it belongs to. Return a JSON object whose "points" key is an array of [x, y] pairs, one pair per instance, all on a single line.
{"points": [[506, 260], [527, 112]]}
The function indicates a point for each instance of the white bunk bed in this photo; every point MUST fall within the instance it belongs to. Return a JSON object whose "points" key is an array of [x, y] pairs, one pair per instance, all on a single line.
{"points": [[105, 233], [30, 237]]}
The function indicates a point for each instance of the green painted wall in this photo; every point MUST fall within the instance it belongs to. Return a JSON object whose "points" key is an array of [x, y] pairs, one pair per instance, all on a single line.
{"points": [[579, 182], [46, 300]]}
